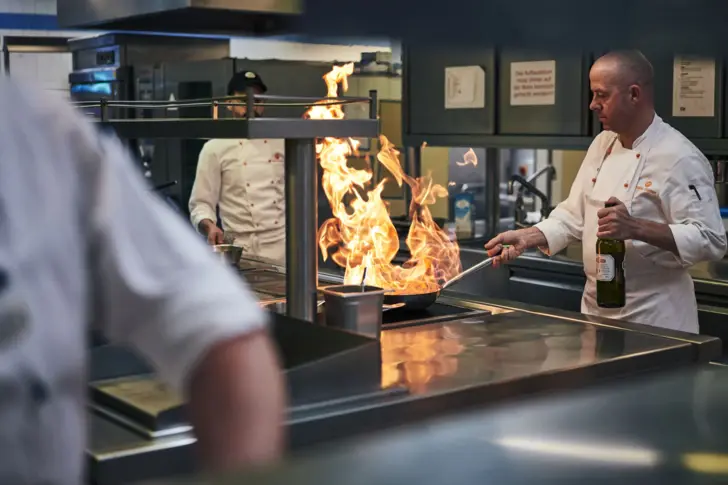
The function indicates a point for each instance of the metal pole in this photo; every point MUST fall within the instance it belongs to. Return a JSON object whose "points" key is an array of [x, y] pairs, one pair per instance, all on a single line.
{"points": [[373, 104], [104, 109], [249, 103], [550, 177], [492, 192], [301, 229]]}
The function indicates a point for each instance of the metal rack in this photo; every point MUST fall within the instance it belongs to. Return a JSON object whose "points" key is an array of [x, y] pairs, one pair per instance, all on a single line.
{"points": [[300, 159]]}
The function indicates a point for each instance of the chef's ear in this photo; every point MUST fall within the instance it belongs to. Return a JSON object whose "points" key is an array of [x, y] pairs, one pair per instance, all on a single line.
{"points": [[635, 93]]}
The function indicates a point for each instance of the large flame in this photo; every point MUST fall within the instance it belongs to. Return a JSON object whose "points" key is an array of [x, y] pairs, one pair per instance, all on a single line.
{"points": [[361, 235]]}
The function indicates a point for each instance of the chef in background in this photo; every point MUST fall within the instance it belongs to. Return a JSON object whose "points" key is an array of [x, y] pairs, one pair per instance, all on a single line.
{"points": [[120, 261], [245, 180], [666, 207]]}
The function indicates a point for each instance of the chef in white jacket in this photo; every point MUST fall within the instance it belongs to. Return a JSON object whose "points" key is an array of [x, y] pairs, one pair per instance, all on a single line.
{"points": [[245, 180], [105, 253], [667, 210]]}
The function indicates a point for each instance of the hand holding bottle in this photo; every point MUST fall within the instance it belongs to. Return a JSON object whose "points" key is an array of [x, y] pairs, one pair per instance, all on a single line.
{"points": [[615, 222], [615, 225]]}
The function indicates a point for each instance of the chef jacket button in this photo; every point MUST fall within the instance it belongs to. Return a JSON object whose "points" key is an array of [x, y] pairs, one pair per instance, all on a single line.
{"points": [[638, 155], [265, 141], [4, 278], [247, 184], [594, 180], [276, 222], [270, 161], [626, 185], [272, 181], [245, 163], [38, 391], [252, 205]]}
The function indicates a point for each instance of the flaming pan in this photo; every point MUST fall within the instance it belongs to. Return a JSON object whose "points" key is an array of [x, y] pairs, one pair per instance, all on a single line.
{"points": [[420, 301]]}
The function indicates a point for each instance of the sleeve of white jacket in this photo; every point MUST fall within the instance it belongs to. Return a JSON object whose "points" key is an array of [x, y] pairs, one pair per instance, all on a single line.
{"points": [[691, 206], [161, 289], [565, 224], [206, 188]]}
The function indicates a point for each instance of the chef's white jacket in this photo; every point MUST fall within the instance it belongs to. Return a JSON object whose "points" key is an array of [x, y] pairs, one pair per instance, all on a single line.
{"points": [[246, 180], [83, 239], [663, 178]]}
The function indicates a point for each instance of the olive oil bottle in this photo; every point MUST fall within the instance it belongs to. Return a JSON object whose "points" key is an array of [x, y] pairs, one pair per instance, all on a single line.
{"points": [[611, 285]]}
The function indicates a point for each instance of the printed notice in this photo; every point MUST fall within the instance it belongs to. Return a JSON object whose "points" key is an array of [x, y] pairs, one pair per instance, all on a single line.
{"points": [[464, 87], [693, 87], [533, 83]]}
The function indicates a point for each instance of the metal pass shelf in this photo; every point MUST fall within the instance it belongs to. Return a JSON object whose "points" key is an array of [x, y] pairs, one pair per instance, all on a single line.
{"points": [[709, 146], [300, 163], [249, 129]]}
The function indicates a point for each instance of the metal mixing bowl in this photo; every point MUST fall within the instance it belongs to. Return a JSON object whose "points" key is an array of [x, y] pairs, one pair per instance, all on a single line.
{"points": [[229, 253]]}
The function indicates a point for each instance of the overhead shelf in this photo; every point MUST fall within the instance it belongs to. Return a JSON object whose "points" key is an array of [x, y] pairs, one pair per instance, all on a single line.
{"points": [[235, 128], [292, 128]]}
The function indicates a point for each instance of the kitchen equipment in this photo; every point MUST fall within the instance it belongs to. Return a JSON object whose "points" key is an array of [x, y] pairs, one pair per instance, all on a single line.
{"points": [[720, 172], [353, 308], [166, 185], [420, 301], [228, 253]]}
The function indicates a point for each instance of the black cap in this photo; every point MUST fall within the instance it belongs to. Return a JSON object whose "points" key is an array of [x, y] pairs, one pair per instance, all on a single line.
{"points": [[245, 79]]}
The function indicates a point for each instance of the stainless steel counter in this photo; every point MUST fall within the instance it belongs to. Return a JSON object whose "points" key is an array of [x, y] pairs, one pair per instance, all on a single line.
{"points": [[446, 367], [713, 273], [558, 282], [658, 429]]}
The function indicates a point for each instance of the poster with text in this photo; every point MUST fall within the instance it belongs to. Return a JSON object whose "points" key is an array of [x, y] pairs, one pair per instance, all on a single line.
{"points": [[693, 87], [533, 83]]}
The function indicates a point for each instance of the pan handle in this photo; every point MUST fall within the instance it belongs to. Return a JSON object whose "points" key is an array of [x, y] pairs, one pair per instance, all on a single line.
{"points": [[477, 267], [473, 269]]}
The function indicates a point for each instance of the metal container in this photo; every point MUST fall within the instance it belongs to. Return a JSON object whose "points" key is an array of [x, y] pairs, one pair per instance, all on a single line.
{"points": [[228, 253], [354, 308], [720, 172]]}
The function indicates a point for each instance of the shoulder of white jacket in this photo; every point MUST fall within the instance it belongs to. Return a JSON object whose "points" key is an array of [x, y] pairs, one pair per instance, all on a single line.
{"points": [[219, 146], [676, 146]]}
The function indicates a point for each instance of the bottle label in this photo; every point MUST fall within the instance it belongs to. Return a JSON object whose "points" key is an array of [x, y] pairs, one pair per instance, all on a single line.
{"points": [[605, 267]]}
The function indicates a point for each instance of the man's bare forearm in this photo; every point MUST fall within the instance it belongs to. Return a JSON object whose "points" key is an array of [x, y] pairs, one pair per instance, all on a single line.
{"points": [[237, 404], [656, 234]]}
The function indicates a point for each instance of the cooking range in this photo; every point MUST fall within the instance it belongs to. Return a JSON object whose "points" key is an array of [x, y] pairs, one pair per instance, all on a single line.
{"points": [[273, 283]]}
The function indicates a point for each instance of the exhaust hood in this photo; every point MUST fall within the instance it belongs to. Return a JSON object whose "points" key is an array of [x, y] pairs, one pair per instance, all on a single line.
{"points": [[190, 16], [692, 26]]}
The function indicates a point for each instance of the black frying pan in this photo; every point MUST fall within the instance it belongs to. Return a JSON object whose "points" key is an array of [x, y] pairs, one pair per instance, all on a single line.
{"points": [[420, 301]]}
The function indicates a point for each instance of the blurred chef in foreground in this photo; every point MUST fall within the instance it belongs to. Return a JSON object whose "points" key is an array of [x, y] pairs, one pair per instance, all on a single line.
{"points": [[666, 207], [102, 249], [245, 179]]}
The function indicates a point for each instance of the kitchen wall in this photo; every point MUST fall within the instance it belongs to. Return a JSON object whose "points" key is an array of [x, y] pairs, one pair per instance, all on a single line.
{"points": [[35, 18]]}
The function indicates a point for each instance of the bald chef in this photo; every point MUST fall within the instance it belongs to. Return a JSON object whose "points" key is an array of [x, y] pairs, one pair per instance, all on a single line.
{"points": [[245, 179], [666, 209]]}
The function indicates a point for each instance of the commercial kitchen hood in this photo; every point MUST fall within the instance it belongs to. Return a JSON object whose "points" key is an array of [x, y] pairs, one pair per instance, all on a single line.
{"points": [[690, 26], [187, 16]]}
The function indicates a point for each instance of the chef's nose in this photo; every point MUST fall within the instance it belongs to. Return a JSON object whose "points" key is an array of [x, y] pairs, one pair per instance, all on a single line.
{"points": [[594, 106]]}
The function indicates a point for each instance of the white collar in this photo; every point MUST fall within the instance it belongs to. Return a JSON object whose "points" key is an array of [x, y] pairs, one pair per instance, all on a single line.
{"points": [[650, 131]]}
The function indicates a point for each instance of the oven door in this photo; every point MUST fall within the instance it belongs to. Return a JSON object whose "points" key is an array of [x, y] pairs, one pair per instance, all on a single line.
{"points": [[93, 85]]}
